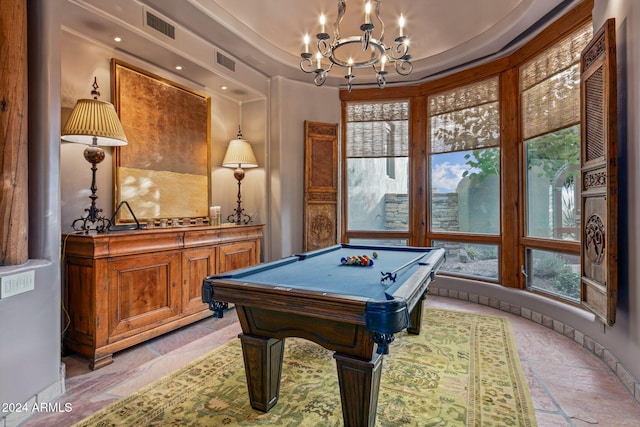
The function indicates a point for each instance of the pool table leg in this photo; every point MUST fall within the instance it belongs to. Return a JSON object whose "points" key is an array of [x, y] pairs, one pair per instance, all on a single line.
{"points": [[416, 316], [263, 367], [359, 386]]}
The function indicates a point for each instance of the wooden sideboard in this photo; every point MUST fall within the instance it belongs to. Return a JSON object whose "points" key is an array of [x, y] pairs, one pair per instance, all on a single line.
{"points": [[125, 287]]}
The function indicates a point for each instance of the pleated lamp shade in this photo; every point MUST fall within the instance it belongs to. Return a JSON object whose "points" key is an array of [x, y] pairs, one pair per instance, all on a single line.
{"points": [[94, 118], [239, 154]]}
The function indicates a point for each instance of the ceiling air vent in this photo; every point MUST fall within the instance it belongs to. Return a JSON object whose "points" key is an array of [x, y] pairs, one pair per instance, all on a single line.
{"points": [[161, 25], [225, 61]]}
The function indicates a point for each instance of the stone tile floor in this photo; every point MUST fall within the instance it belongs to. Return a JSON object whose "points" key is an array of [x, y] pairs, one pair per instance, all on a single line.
{"points": [[569, 386]]}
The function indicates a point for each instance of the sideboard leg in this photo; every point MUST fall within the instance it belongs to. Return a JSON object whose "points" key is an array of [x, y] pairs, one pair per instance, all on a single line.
{"points": [[98, 362]]}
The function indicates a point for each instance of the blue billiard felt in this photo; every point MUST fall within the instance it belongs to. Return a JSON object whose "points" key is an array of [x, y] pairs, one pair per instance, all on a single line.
{"points": [[322, 271]]}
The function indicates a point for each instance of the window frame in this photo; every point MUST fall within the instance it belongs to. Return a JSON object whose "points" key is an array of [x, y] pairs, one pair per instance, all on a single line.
{"points": [[346, 234]]}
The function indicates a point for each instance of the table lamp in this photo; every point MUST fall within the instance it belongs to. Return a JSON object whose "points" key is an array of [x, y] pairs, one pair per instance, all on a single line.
{"points": [[94, 123], [240, 156]]}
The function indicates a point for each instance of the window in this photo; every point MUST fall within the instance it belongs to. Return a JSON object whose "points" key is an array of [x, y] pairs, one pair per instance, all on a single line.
{"points": [[554, 272], [550, 91], [464, 139], [377, 166], [553, 169], [470, 259], [487, 164], [550, 94]]}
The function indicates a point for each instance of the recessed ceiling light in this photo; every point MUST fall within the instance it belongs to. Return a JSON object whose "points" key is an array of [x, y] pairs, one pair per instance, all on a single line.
{"points": [[223, 87], [117, 39], [178, 67]]}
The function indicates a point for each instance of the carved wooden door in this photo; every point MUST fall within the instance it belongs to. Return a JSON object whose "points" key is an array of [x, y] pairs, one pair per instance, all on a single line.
{"points": [[320, 185], [599, 158]]}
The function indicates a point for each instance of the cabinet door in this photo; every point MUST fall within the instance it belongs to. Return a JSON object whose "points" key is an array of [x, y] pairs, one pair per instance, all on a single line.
{"points": [[143, 291], [196, 265], [238, 255]]}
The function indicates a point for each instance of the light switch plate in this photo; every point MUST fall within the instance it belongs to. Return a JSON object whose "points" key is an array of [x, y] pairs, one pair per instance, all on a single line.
{"points": [[15, 284]]}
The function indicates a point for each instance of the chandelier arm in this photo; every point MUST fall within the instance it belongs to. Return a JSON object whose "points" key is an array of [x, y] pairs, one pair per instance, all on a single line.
{"points": [[404, 68], [342, 8], [399, 51], [306, 65], [321, 77], [366, 36], [324, 47], [378, 5]]}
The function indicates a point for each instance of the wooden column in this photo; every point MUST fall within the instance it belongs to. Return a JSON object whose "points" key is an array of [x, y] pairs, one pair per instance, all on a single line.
{"points": [[13, 128]]}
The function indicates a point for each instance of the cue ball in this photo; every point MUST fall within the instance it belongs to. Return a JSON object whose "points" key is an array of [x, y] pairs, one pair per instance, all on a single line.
{"points": [[375, 254]]}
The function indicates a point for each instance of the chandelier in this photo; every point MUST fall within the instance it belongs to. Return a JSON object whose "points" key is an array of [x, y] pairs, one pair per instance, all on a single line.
{"points": [[359, 51]]}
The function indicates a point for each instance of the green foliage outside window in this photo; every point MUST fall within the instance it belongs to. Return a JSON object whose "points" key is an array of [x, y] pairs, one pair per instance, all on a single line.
{"points": [[555, 151]]}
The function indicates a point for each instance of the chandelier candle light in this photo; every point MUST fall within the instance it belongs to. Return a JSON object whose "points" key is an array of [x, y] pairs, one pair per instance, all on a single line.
{"points": [[373, 52]]}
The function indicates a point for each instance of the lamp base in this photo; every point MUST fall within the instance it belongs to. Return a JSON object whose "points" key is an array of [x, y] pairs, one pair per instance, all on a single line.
{"points": [[238, 216], [91, 220]]}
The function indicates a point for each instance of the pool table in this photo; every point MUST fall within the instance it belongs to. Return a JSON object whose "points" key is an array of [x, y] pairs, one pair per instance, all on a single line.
{"points": [[353, 310]]}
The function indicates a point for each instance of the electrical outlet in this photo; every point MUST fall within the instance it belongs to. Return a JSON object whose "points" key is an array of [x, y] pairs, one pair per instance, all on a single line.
{"points": [[15, 284]]}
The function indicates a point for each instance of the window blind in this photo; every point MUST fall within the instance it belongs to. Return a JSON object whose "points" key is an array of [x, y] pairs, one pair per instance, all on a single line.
{"points": [[549, 86], [465, 118], [378, 129]]}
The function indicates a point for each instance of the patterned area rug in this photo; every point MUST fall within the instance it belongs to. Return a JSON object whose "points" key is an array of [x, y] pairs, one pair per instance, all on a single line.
{"points": [[462, 370]]}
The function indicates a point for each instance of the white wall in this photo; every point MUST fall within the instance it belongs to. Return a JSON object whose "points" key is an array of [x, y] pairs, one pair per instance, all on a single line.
{"points": [[291, 103]]}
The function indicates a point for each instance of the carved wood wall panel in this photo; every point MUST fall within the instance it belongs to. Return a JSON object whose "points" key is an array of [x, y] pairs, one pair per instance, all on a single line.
{"points": [[321, 185], [599, 165]]}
